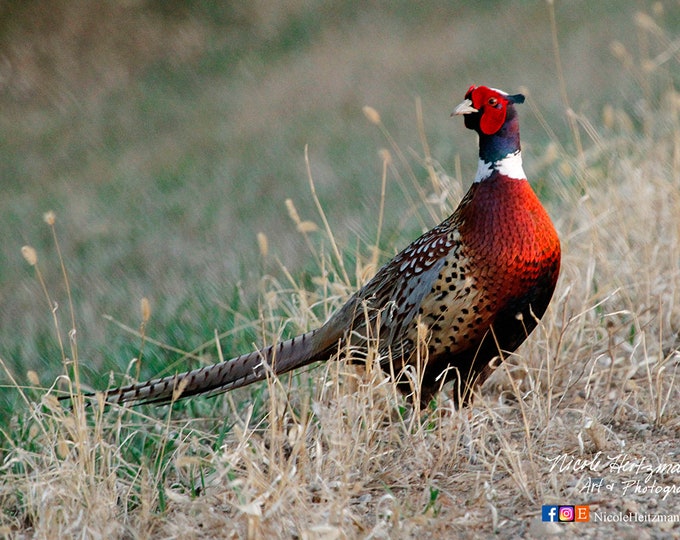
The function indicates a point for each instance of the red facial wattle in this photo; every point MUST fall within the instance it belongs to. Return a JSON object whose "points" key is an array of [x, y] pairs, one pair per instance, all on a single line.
{"points": [[492, 106]]}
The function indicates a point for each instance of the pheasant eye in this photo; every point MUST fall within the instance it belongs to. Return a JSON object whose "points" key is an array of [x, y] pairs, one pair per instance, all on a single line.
{"points": [[493, 101]]}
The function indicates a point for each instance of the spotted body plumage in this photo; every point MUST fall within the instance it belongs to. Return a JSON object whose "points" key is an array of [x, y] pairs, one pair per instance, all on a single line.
{"points": [[477, 284]]}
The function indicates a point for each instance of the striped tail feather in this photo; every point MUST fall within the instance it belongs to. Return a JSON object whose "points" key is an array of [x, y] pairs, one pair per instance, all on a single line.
{"points": [[230, 374]]}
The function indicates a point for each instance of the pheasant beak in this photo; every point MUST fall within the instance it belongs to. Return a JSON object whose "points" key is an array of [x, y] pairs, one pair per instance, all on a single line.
{"points": [[464, 108]]}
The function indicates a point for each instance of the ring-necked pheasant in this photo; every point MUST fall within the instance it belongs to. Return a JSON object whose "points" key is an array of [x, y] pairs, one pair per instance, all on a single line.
{"points": [[478, 282]]}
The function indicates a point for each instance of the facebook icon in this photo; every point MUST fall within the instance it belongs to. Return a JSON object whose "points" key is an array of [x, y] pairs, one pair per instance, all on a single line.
{"points": [[549, 513]]}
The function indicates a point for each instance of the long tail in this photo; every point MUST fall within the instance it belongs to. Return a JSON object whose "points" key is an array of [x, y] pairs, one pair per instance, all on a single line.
{"points": [[230, 374]]}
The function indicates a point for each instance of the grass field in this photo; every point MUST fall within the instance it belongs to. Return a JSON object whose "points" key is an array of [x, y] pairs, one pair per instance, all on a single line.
{"points": [[173, 158]]}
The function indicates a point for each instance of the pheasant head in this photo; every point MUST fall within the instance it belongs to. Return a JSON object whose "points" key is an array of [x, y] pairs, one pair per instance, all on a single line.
{"points": [[491, 113]]}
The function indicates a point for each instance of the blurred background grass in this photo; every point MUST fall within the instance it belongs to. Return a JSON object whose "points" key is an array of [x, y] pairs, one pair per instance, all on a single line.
{"points": [[166, 135]]}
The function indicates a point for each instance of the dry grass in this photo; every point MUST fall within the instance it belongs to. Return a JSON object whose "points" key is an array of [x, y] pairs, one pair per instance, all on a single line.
{"points": [[334, 452]]}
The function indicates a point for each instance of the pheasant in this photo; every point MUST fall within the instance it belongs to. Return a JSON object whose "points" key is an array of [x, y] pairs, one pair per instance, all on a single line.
{"points": [[477, 283]]}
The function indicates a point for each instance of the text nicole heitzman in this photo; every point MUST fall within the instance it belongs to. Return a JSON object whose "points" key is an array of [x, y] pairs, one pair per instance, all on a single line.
{"points": [[635, 473]]}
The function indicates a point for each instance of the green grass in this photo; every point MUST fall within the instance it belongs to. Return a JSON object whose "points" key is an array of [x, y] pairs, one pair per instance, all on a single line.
{"points": [[161, 181]]}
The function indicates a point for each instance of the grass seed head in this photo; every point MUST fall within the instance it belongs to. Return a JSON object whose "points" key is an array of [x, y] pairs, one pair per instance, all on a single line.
{"points": [[645, 22], [32, 377], [49, 217], [385, 156], [30, 255], [618, 49], [307, 227], [263, 244], [145, 307], [372, 115], [292, 211]]}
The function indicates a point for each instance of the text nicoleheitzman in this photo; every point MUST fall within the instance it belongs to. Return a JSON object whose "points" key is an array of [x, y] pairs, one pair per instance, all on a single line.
{"points": [[633, 518]]}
